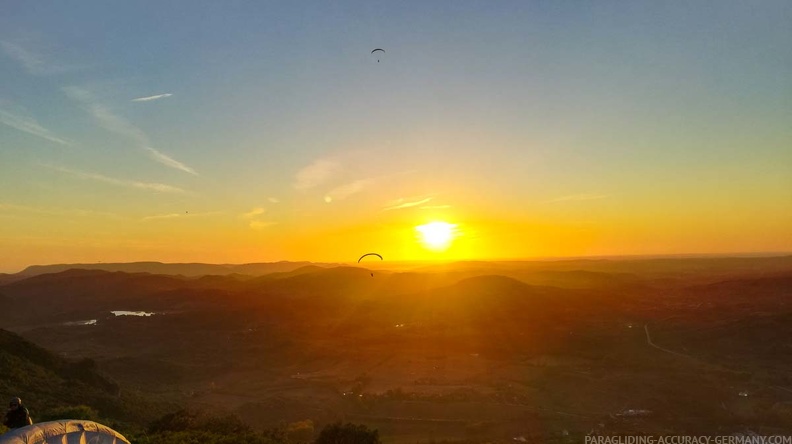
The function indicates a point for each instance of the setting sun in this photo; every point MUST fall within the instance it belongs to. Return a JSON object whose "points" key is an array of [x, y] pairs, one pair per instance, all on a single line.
{"points": [[437, 235]]}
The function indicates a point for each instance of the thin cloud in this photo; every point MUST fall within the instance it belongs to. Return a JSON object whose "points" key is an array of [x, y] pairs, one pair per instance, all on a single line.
{"points": [[252, 213], [119, 125], [178, 215], [260, 225], [578, 197], [399, 204], [315, 174], [57, 211], [14, 208], [273, 200], [346, 190], [5, 206], [168, 161], [150, 186], [106, 118], [30, 126], [161, 217], [150, 98], [33, 61]]}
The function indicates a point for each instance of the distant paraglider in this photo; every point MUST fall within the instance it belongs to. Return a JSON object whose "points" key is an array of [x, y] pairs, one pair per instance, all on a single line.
{"points": [[378, 55], [370, 254]]}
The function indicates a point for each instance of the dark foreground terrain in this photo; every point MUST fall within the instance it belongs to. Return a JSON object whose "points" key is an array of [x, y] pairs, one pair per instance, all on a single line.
{"points": [[501, 351]]}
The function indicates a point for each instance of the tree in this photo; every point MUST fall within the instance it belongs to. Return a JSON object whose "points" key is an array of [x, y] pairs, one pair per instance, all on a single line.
{"points": [[300, 431], [349, 433]]}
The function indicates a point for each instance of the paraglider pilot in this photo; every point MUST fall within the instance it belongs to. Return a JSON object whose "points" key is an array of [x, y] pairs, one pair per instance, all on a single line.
{"points": [[17, 415]]}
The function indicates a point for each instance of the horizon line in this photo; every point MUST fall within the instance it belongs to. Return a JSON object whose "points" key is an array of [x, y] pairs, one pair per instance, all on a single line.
{"points": [[757, 255]]}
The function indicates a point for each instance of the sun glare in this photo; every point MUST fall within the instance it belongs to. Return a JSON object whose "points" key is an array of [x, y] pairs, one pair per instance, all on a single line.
{"points": [[437, 235]]}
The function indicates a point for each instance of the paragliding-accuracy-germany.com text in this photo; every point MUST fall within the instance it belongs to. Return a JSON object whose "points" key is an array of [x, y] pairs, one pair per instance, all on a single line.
{"points": [[689, 439]]}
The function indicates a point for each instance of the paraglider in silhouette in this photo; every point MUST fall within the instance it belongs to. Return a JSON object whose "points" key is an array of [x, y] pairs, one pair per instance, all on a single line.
{"points": [[65, 430], [378, 49], [370, 254]]}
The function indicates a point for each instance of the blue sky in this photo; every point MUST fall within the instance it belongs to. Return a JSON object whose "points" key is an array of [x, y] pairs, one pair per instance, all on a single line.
{"points": [[645, 115]]}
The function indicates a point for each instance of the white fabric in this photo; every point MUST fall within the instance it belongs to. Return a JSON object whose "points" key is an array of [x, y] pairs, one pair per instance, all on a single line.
{"points": [[64, 431]]}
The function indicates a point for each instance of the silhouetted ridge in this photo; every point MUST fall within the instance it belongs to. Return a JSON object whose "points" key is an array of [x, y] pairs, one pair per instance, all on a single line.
{"points": [[337, 280], [482, 296], [45, 381], [495, 285], [318, 274], [769, 284], [96, 279], [185, 269], [6, 278], [14, 345], [231, 281], [287, 274], [74, 295]]}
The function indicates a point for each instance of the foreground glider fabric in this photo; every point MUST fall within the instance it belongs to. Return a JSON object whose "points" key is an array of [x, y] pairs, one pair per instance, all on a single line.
{"points": [[64, 431]]}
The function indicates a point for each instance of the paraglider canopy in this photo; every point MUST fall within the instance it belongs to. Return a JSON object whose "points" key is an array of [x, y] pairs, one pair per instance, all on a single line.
{"points": [[63, 431], [380, 50], [370, 254]]}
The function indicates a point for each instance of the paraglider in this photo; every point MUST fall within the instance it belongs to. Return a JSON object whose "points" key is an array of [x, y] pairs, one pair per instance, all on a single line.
{"points": [[64, 430], [378, 49], [370, 254]]}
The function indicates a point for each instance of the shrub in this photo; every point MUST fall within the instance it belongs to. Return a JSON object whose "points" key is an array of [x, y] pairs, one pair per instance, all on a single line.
{"points": [[300, 431], [70, 412], [349, 433]]}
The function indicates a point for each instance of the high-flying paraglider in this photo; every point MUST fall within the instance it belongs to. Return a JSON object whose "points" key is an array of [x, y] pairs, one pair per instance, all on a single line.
{"points": [[378, 49], [64, 430]]}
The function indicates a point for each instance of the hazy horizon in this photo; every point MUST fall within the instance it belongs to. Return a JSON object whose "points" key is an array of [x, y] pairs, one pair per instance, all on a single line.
{"points": [[239, 133], [416, 262]]}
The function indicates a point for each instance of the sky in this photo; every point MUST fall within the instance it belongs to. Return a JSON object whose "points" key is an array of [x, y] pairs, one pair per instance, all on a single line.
{"points": [[232, 132]]}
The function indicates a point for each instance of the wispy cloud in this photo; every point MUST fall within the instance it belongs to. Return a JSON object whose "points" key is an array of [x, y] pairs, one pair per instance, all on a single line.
{"points": [[346, 190], [150, 98], [186, 214], [30, 126], [32, 60], [150, 186], [401, 203], [578, 197], [106, 118], [255, 223], [161, 217], [6, 207], [315, 174], [273, 200], [15, 207], [260, 225], [169, 161], [252, 213], [119, 125]]}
